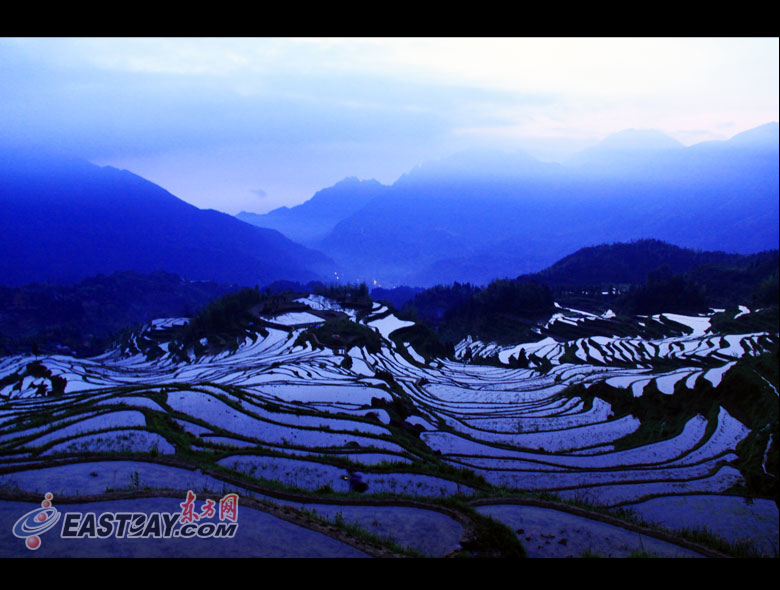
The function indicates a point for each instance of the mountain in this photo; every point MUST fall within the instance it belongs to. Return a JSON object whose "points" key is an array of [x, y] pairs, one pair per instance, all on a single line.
{"points": [[474, 217], [727, 279], [627, 152], [64, 219], [484, 164], [624, 263], [448, 209], [637, 140], [761, 138], [313, 220], [643, 277]]}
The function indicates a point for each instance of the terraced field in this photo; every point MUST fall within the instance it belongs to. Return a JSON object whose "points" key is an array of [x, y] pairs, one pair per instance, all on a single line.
{"points": [[587, 429]]}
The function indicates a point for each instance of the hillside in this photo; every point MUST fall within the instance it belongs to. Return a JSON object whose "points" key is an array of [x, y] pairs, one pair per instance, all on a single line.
{"points": [[630, 262], [83, 319], [64, 219]]}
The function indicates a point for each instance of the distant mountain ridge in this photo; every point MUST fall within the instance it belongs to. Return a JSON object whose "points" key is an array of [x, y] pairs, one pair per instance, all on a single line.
{"points": [[474, 217], [763, 137], [639, 139], [64, 219], [312, 220]]}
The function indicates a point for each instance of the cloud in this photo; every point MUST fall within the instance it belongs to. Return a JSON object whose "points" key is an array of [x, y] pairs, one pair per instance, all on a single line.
{"points": [[302, 113], [259, 192], [140, 96], [130, 111]]}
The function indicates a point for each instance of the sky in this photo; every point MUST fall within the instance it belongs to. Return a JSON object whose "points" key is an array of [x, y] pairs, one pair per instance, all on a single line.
{"points": [[251, 124]]}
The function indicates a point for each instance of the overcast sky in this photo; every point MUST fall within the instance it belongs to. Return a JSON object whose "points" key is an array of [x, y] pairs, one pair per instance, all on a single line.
{"points": [[253, 124]]}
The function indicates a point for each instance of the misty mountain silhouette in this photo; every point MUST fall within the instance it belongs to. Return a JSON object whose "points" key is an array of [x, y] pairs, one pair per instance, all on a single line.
{"points": [[477, 216], [637, 139], [480, 163], [761, 138], [312, 220], [64, 219]]}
